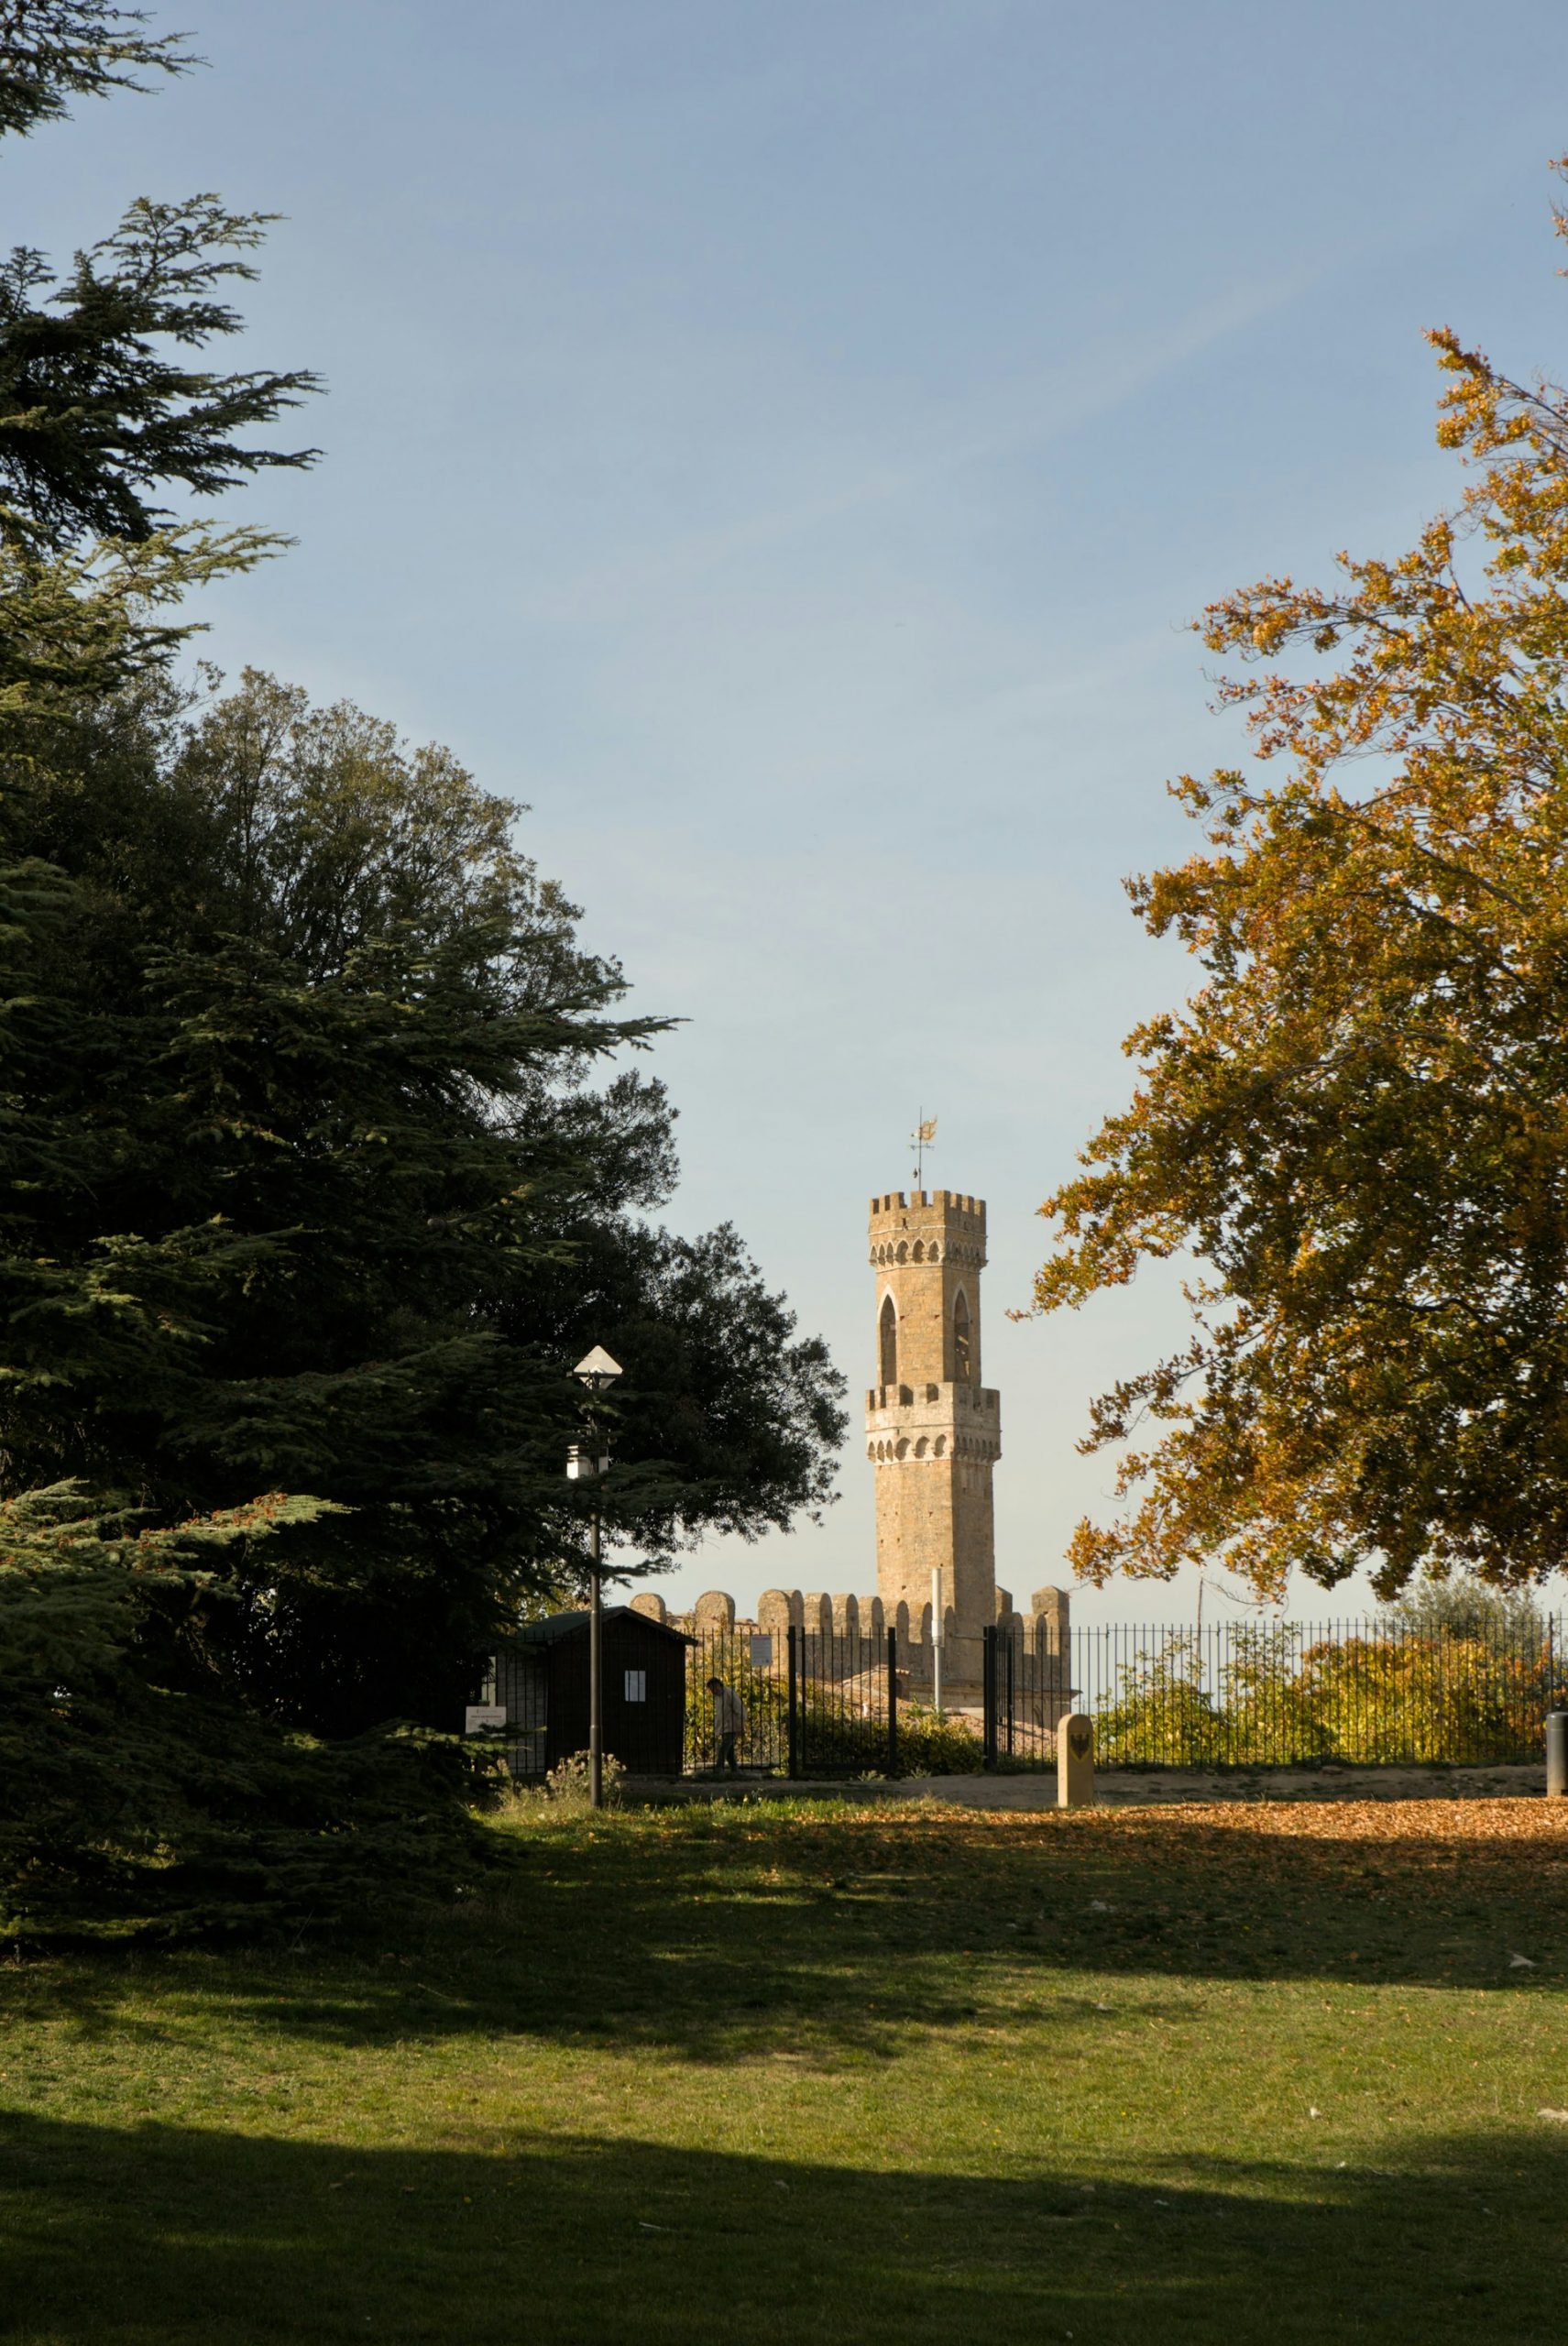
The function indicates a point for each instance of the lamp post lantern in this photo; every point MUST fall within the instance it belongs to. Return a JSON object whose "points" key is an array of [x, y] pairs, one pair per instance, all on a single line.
{"points": [[597, 1372]]}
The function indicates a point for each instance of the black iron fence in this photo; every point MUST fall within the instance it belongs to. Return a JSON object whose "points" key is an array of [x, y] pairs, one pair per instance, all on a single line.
{"points": [[843, 1703], [1291, 1693], [812, 1705], [820, 1704], [1235, 1695], [749, 1668]]}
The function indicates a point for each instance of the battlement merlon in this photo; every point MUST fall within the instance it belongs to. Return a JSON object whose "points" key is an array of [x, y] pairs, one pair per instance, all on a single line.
{"points": [[951, 1399], [927, 1225], [893, 1203], [714, 1617]]}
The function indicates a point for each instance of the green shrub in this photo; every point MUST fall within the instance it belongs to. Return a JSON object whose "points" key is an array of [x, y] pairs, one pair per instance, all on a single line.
{"points": [[1466, 1684], [765, 1743], [143, 1794], [1160, 1715], [935, 1743], [569, 1784]]}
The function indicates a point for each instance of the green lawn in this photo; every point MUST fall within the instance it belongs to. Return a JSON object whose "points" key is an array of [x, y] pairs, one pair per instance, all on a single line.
{"points": [[833, 2075]]}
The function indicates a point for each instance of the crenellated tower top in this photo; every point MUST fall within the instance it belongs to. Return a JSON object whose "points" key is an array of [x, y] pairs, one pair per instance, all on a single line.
{"points": [[895, 1209], [927, 1250]]}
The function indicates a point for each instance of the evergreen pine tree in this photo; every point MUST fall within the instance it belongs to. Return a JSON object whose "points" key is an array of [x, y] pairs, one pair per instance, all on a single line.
{"points": [[306, 1185]]}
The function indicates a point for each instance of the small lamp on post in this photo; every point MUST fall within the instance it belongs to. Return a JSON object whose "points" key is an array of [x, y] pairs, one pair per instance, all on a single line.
{"points": [[598, 1373]]}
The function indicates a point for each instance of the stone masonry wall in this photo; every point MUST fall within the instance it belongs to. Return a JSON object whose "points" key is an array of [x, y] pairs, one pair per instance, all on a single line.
{"points": [[1043, 1631]]}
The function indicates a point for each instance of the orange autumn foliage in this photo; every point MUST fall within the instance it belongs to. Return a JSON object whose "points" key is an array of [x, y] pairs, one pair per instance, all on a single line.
{"points": [[1358, 1124]]}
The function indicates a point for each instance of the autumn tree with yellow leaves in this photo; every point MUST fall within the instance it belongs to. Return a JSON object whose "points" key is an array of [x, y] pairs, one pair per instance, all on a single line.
{"points": [[1357, 1129]]}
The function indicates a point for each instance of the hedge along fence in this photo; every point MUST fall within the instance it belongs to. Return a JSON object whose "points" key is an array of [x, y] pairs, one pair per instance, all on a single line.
{"points": [[726, 1654], [1368, 1692], [1465, 1677], [842, 1726]]}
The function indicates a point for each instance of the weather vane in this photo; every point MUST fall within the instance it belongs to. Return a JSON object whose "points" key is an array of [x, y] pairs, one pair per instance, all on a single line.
{"points": [[920, 1140]]}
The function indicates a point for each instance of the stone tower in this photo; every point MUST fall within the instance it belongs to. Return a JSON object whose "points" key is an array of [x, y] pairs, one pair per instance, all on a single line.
{"points": [[933, 1431]]}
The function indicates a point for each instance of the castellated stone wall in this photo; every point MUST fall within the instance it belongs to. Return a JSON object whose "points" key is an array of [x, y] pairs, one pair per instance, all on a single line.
{"points": [[836, 1626]]}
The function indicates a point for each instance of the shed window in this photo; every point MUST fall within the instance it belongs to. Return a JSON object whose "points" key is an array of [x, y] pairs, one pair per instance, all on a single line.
{"points": [[637, 1685]]}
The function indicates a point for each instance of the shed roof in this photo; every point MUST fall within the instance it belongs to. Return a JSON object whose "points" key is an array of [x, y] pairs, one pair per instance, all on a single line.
{"points": [[557, 1626]]}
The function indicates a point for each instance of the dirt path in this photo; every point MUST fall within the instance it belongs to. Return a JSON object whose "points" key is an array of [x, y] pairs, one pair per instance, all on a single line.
{"points": [[1134, 1787]]}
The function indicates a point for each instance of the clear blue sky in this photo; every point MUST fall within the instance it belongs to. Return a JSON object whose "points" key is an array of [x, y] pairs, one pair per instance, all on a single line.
{"points": [[782, 444]]}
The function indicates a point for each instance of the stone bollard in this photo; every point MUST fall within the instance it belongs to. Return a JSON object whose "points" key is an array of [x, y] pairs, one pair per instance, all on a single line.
{"points": [[1557, 1755], [1075, 1760]]}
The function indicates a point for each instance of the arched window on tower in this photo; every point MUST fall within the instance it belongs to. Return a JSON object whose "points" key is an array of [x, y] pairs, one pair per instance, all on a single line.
{"points": [[888, 1330], [962, 1352]]}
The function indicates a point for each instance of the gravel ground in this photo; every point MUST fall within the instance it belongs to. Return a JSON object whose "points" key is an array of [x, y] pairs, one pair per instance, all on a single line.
{"points": [[1133, 1787]]}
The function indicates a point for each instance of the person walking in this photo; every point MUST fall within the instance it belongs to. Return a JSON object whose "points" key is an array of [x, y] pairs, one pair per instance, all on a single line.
{"points": [[729, 1721]]}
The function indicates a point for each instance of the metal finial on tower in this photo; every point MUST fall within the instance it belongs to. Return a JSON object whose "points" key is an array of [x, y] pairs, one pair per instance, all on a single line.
{"points": [[920, 1140]]}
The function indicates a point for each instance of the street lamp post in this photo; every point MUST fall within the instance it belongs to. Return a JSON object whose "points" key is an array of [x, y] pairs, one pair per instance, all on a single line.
{"points": [[598, 1373]]}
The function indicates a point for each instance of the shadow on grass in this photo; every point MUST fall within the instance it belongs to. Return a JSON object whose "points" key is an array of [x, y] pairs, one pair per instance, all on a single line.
{"points": [[158, 2236], [837, 1936]]}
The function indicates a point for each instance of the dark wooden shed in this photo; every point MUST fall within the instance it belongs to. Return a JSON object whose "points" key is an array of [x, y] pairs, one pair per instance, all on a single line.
{"points": [[542, 1676]]}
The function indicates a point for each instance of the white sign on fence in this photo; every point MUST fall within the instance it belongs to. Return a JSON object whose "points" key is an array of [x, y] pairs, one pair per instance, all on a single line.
{"points": [[480, 1717]]}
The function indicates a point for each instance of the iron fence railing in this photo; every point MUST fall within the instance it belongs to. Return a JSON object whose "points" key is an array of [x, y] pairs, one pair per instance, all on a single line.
{"points": [[1293, 1693], [748, 1667], [814, 1704], [1235, 1695]]}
